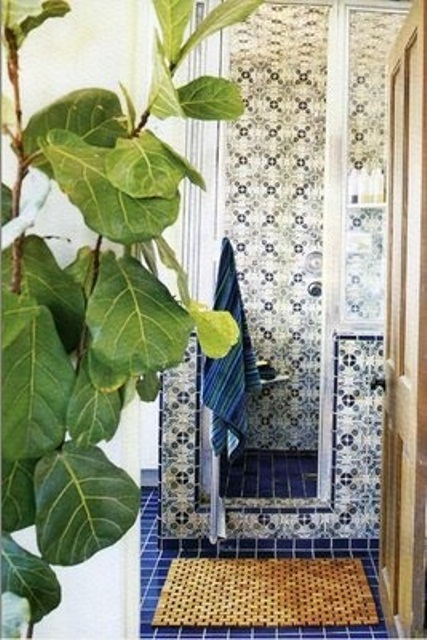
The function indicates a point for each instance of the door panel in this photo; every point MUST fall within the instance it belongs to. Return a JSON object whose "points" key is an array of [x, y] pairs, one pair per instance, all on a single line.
{"points": [[405, 416]]}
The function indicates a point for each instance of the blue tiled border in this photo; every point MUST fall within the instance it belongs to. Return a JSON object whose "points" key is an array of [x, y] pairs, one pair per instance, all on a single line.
{"points": [[311, 545]]}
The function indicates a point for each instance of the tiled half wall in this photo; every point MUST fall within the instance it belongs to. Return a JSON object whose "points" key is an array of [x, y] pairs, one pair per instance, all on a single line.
{"points": [[352, 512]]}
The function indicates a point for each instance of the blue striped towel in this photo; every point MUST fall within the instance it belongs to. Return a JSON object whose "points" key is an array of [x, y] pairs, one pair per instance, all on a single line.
{"points": [[227, 380]]}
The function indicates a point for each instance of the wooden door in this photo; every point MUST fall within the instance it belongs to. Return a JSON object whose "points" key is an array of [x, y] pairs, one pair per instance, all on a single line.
{"points": [[402, 563]]}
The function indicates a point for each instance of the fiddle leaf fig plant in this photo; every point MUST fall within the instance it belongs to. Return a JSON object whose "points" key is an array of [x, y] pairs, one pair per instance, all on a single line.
{"points": [[80, 340]]}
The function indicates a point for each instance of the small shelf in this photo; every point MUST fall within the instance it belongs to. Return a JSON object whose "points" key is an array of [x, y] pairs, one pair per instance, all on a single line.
{"points": [[366, 205], [281, 378]]}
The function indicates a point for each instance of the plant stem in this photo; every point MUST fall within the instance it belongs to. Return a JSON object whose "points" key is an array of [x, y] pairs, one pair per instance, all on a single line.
{"points": [[97, 256], [18, 145], [30, 630], [13, 73], [141, 124]]}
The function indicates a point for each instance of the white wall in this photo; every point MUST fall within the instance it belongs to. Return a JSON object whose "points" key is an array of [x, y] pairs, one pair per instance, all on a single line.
{"points": [[149, 434], [98, 44]]}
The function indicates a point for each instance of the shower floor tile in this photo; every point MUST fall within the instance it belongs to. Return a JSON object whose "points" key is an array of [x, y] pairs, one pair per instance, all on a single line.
{"points": [[259, 473], [155, 564]]}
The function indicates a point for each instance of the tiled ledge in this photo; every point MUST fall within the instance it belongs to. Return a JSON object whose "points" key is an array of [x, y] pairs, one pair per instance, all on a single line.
{"points": [[311, 547]]}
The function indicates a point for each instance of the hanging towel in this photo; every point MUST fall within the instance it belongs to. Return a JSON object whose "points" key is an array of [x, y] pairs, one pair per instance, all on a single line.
{"points": [[227, 380]]}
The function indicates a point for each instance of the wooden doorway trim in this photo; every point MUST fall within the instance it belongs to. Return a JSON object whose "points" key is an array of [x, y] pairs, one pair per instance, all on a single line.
{"points": [[404, 476]]}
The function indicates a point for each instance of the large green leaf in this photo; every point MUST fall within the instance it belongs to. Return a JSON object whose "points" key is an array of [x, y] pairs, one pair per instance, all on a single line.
{"points": [[148, 387], [106, 376], [18, 508], [208, 98], [217, 331], [224, 15], [17, 311], [82, 269], [80, 171], [37, 382], [16, 11], [173, 16], [143, 167], [50, 9], [49, 285], [163, 98], [84, 504], [190, 171], [135, 323], [22, 16], [30, 577], [95, 115], [92, 415]]}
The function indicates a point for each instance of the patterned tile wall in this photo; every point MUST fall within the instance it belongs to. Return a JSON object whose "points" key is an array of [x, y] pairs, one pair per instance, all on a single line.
{"points": [[353, 511], [274, 209], [371, 35]]}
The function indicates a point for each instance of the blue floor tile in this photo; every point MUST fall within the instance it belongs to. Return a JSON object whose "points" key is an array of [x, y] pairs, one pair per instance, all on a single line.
{"points": [[270, 473], [238, 633], [215, 634]]}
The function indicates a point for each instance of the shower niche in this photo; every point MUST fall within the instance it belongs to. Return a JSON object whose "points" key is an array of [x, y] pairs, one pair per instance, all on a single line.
{"points": [[311, 273]]}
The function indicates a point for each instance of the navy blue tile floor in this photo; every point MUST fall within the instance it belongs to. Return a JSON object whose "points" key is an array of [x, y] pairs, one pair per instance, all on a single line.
{"points": [[262, 473], [154, 568]]}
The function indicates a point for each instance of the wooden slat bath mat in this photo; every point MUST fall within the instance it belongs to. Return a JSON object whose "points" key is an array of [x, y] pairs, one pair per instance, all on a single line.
{"points": [[267, 592]]}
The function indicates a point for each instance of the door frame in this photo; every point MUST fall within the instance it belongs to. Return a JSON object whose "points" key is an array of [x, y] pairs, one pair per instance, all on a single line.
{"points": [[404, 473]]}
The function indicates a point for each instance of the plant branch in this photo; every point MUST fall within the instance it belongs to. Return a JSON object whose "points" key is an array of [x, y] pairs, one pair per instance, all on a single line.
{"points": [[8, 131], [15, 284], [18, 145], [96, 261], [28, 160], [13, 73]]}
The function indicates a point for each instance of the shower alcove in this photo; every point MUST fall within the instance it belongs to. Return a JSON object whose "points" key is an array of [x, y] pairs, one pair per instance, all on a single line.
{"points": [[310, 264]]}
